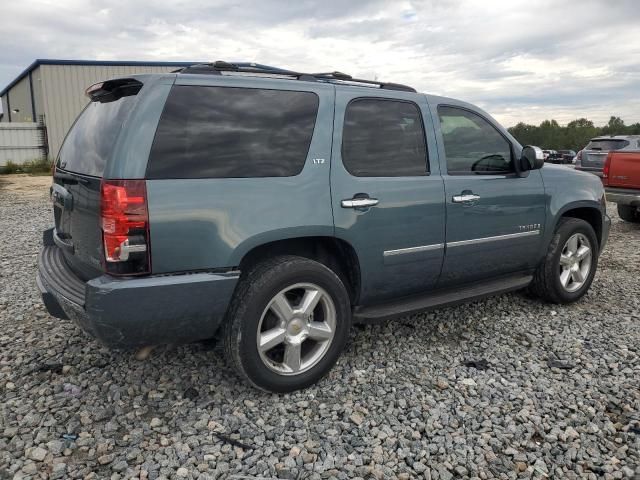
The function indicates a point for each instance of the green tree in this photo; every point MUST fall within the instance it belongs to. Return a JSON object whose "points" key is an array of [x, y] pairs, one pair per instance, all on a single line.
{"points": [[615, 126], [580, 123], [550, 135]]}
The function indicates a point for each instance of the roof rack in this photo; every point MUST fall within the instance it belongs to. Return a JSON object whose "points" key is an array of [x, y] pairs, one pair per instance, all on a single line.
{"points": [[218, 67]]}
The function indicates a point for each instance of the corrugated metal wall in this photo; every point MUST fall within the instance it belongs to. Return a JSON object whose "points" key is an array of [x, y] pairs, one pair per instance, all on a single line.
{"points": [[38, 100], [63, 96], [5, 109], [20, 142], [20, 99]]}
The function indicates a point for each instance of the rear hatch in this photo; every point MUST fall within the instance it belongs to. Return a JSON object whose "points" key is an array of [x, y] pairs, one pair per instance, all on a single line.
{"points": [[624, 170], [78, 174], [595, 153]]}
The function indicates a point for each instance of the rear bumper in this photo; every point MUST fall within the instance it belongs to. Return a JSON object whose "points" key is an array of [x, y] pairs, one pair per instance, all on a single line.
{"points": [[623, 196], [136, 312], [596, 171]]}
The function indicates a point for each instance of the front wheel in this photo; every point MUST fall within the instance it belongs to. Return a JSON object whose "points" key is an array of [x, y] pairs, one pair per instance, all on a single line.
{"points": [[287, 324], [568, 269]]}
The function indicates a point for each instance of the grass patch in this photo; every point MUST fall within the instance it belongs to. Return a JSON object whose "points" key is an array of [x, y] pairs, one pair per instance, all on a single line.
{"points": [[33, 167]]}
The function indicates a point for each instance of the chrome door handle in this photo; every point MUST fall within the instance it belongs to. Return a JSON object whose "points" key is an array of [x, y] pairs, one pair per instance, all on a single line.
{"points": [[468, 197], [359, 202]]}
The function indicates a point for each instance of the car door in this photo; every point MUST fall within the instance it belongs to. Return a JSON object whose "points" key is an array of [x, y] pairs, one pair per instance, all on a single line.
{"points": [[386, 189], [494, 216]]}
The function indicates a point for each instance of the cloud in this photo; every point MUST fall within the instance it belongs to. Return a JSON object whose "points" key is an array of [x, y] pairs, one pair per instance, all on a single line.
{"points": [[520, 60]]}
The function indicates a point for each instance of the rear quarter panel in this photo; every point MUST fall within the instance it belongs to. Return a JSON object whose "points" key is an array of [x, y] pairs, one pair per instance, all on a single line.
{"points": [[199, 224], [130, 154]]}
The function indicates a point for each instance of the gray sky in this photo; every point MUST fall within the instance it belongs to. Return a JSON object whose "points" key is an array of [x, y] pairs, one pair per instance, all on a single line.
{"points": [[520, 60]]}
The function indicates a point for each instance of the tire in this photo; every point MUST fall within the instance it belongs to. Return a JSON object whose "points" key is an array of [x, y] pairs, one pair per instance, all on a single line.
{"points": [[258, 308], [628, 213], [549, 277]]}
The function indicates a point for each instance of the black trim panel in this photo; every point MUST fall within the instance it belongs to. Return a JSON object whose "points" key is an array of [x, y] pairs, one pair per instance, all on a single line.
{"points": [[58, 276], [440, 298]]}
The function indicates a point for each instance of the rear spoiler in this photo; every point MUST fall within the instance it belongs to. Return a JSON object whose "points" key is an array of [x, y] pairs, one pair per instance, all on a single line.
{"points": [[112, 90]]}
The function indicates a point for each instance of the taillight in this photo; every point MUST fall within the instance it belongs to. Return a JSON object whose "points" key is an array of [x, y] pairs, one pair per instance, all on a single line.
{"points": [[579, 157], [605, 169], [125, 227]]}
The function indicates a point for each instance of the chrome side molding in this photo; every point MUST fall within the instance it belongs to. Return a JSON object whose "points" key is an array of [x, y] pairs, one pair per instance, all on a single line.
{"points": [[475, 241], [422, 248]]}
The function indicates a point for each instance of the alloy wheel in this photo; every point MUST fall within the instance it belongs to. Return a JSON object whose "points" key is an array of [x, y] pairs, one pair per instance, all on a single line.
{"points": [[296, 329], [575, 262]]}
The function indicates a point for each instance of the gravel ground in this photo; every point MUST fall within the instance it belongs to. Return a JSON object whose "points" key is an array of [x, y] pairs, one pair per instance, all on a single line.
{"points": [[504, 388]]}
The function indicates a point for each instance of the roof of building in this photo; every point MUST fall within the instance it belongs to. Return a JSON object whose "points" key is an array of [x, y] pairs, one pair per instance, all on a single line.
{"points": [[102, 63]]}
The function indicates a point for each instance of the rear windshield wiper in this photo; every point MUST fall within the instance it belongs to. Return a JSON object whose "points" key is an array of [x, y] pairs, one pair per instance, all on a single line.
{"points": [[70, 179]]}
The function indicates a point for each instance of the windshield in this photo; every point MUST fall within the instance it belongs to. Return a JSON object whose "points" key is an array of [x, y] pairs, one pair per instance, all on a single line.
{"points": [[91, 139], [607, 144]]}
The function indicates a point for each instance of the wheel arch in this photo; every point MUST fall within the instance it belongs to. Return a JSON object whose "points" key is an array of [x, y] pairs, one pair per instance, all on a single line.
{"points": [[590, 212], [336, 254]]}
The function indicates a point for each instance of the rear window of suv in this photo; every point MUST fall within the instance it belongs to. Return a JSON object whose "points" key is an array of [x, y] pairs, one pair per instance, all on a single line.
{"points": [[228, 132], [605, 145], [90, 140], [384, 138]]}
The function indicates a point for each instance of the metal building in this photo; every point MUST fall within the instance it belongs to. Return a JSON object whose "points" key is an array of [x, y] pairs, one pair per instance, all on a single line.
{"points": [[51, 92]]}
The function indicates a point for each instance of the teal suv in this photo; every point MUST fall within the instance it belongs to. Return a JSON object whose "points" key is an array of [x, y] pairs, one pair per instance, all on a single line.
{"points": [[273, 208]]}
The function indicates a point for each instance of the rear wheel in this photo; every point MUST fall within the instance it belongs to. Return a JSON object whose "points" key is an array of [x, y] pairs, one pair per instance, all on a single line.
{"points": [[628, 213], [568, 269], [287, 324]]}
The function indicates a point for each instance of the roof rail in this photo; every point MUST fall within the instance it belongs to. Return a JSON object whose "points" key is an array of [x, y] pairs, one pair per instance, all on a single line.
{"points": [[218, 67]]}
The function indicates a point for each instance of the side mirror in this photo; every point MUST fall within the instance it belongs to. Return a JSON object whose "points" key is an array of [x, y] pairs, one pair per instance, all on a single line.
{"points": [[532, 158]]}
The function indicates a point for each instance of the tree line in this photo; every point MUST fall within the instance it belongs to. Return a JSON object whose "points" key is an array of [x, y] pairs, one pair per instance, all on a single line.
{"points": [[575, 136]]}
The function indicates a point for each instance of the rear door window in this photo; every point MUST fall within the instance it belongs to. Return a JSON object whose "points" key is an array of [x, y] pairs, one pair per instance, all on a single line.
{"points": [[226, 132], [606, 145], [384, 138], [91, 139]]}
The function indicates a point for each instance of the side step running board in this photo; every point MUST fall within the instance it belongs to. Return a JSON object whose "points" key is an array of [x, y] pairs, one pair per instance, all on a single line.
{"points": [[440, 298]]}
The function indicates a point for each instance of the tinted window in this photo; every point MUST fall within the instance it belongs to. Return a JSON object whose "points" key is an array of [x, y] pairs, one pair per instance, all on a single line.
{"points": [[383, 138], [472, 144], [91, 139], [605, 145], [232, 132]]}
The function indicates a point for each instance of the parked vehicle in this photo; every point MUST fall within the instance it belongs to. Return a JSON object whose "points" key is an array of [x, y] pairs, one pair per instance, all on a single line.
{"points": [[592, 157], [621, 178], [272, 208], [552, 156], [567, 155], [561, 156]]}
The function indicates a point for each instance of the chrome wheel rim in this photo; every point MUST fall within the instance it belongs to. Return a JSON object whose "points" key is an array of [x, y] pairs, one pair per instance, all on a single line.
{"points": [[296, 329], [575, 262]]}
